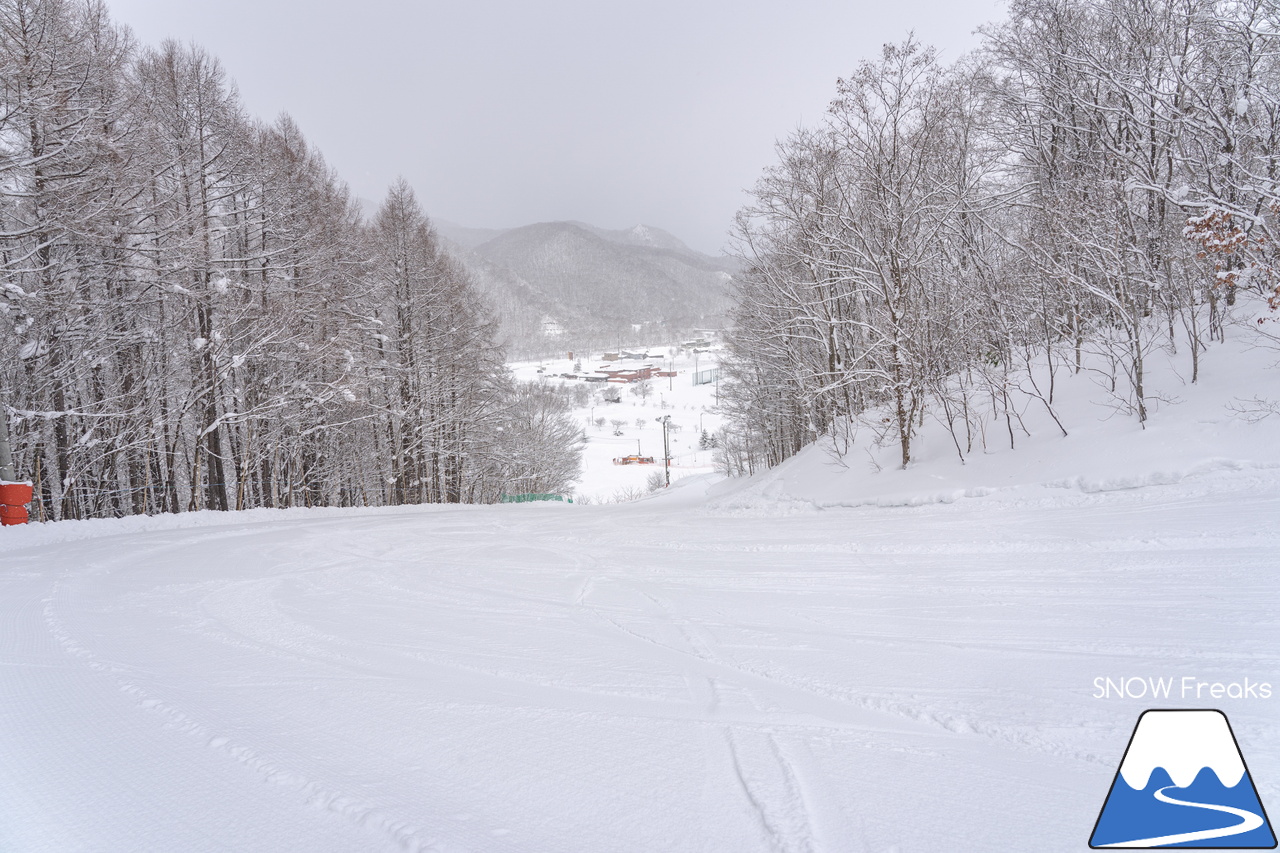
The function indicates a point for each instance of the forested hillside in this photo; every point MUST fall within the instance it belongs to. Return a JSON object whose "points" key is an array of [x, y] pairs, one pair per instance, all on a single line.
{"points": [[194, 315], [1099, 178], [596, 284]]}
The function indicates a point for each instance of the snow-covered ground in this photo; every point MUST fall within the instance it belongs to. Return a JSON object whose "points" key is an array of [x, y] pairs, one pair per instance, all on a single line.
{"points": [[823, 658], [691, 408]]}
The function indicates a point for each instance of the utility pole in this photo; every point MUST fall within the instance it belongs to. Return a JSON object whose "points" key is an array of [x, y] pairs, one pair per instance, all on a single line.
{"points": [[666, 447]]}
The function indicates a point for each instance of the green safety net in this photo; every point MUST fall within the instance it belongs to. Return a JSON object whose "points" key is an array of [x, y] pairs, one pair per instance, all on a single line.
{"points": [[528, 498]]}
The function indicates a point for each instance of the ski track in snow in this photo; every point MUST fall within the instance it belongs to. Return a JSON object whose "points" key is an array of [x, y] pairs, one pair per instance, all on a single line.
{"points": [[649, 677]]}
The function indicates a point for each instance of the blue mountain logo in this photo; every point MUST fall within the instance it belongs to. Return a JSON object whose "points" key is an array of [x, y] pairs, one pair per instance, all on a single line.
{"points": [[1183, 783]]}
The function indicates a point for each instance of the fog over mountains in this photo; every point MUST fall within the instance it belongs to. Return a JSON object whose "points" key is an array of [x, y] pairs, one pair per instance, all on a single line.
{"points": [[558, 284]]}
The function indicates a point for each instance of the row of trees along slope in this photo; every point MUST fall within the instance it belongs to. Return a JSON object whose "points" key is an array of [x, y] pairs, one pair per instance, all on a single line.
{"points": [[196, 317], [1098, 180]]}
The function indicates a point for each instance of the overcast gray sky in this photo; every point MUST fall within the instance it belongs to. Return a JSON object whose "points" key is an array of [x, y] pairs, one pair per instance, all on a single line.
{"points": [[506, 113]]}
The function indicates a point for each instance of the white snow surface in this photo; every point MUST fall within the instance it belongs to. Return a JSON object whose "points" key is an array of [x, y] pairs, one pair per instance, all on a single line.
{"points": [[1183, 743], [821, 658]]}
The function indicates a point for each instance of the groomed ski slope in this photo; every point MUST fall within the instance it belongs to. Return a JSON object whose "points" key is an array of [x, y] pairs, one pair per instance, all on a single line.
{"points": [[759, 666]]}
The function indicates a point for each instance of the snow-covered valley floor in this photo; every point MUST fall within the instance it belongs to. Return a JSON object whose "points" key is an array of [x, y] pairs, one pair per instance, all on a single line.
{"points": [[685, 673]]}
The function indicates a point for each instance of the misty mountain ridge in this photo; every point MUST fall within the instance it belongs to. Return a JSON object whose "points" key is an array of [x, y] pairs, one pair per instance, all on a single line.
{"points": [[594, 284], [637, 235]]}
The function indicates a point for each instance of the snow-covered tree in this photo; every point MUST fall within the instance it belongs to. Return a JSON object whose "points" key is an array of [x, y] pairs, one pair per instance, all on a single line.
{"points": [[1099, 178], [192, 313]]}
